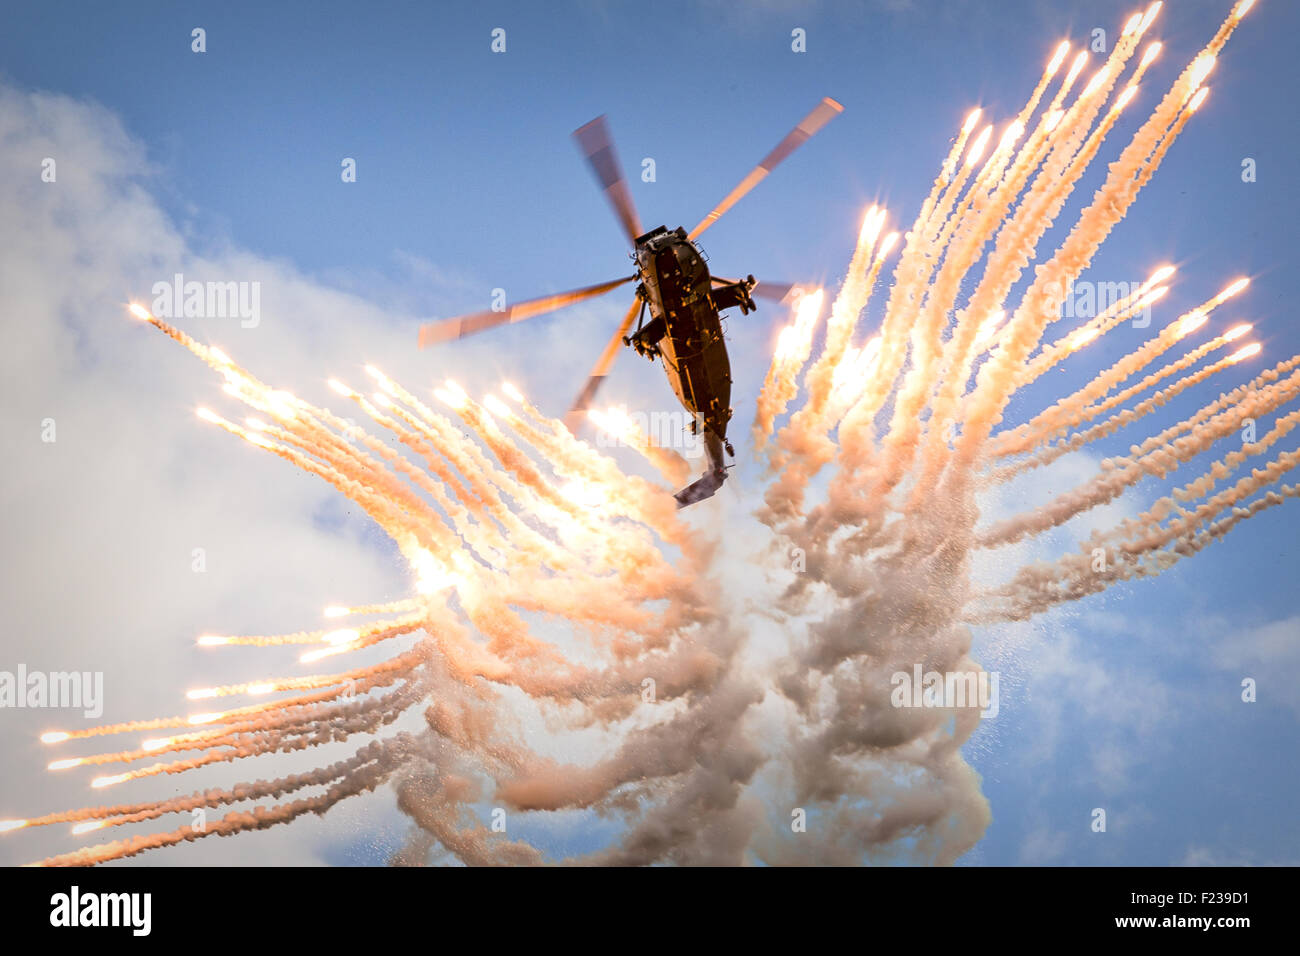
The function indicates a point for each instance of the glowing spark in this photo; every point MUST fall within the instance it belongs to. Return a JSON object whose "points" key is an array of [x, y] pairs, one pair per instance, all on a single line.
{"points": [[1198, 99], [101, 782], [208, 415], [54, 737], [342, 389], [205, 718], [1124, 97], [212, 640], [8, 825], [1151, 53], [496, 406], [1235, 333], [971, 119], [88, 826], [155, 743], [343, 636], [335, 610], [1242, 9], [1054, 119], [511, 392], [140, 312], [67, 764], [1245, 353]]}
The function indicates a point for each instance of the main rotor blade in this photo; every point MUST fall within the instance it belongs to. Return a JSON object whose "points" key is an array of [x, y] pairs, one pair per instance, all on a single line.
{"points": [[773, 291], [461, 326], [824, 112], [578, 413], [597, 145]]}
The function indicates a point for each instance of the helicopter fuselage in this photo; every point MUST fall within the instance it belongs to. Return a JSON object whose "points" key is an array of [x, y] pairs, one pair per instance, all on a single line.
{"points": [[685, 330]]}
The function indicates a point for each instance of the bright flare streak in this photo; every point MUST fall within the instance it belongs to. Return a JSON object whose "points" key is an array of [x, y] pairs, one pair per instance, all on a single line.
{"points": [[1231, 290], [256, 424], [1233, 334], [871, 225], [1242, 9], [1077, 67], [977, 150], [380, 399], [212, 640], [1054, 119], [1192, 323], [1013, 133], [511, 392], [1160, 275], [155, 743], [430, 575], [205, 718], [584, 493], [343, 636], [66, 764], [1151, 15], [456, 400], [1124, 97], [1155, 295], [990, 325], [342, 389], [1245, 353], [220, 356], [1058, 58], [336, 610], [202, 693], [1097, 79], [1152, 52], [259, 689], [208, 415], [7, 825], [1201, 69], [140, 312], [1198, 99], [971, 120], [891, 240], [1084, 337], [810, 307], [1131, 25], [326, 652], [99, 782], [496, 406], [54, 737], [88, 826]]}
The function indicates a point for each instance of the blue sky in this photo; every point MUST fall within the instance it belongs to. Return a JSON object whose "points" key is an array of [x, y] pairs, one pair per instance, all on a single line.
{"points": [[467, 181]]}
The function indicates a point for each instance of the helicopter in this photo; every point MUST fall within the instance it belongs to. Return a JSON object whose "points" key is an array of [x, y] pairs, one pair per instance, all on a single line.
{"points": [[674, 285]]}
